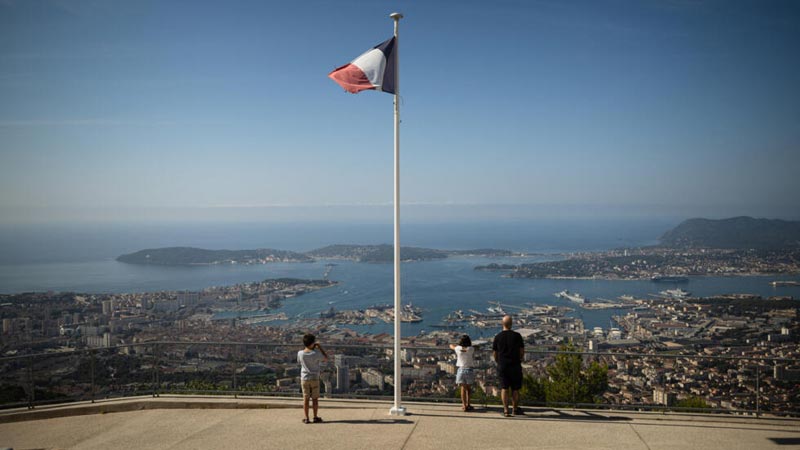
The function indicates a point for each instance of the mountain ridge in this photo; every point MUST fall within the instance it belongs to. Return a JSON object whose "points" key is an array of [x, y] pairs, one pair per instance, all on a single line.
{"points": [[742, 232]]}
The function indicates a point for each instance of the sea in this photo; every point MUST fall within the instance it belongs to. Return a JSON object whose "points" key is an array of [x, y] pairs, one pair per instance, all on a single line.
{"points": [[81, 258]]}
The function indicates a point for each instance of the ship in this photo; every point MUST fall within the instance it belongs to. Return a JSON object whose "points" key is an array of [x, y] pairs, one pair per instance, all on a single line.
{"points": [[675, 293], [785, 283], [669, 279], [573, 297], [496, 309]]}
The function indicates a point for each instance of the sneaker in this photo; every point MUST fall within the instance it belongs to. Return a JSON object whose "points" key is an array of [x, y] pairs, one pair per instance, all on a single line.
{"points": [[317, 419]]}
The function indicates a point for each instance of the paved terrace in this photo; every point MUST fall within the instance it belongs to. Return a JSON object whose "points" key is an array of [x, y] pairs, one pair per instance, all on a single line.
{"points": [[180, 422]]}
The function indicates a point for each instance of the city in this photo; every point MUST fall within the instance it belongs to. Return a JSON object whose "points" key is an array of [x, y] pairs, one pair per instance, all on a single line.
{"points": [[736, 354]]}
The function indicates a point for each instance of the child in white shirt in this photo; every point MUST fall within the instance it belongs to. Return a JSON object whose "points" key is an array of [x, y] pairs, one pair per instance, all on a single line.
{"points": [[465, 376]]}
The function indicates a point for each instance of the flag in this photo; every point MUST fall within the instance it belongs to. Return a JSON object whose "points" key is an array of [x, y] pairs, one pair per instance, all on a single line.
{"points": [[375, 70]]}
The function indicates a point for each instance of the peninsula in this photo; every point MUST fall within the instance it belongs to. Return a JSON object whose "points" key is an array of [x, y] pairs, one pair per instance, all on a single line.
{"points": [[696, 247]]}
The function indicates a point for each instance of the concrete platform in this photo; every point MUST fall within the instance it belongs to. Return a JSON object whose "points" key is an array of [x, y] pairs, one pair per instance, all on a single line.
{"points": [[256, 423]]}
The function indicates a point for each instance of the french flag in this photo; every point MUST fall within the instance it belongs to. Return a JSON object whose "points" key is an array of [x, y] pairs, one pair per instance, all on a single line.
{"points": [[374, 70]]}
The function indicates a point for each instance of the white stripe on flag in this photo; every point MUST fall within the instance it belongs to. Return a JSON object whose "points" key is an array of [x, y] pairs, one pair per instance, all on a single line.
{"points": [[373, 64]]}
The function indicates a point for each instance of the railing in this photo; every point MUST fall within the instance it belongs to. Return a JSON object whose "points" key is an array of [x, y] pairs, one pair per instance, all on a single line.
{"points": [[724, 384]]}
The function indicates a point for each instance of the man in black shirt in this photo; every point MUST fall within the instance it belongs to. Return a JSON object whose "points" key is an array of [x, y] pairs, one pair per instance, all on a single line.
{"points": [[508, 350]]}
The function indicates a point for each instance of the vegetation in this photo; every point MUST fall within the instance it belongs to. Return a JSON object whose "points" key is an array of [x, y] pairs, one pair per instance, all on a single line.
{"points": [[362, 253], [734, 233], [692, 402], [175, 256], [377, 253], [533, 390], [570, 382]]}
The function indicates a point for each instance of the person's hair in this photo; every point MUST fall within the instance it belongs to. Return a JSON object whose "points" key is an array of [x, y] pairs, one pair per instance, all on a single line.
{"points": [[308, 340], [465, 341]]}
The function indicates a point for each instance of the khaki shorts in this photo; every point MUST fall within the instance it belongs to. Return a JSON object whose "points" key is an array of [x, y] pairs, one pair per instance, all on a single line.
{"points": [[310, 388]]}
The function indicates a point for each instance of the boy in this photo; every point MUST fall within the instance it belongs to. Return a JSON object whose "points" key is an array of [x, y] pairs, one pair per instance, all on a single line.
{"points": [[309, 359]]}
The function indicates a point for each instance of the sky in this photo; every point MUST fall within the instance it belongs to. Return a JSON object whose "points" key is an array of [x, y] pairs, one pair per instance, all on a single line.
{"points": [[159, 110]]}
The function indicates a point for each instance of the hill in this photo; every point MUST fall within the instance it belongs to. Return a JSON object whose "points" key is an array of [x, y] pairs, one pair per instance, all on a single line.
{"points": [[734, 233], [174, 256], [376, 253]]}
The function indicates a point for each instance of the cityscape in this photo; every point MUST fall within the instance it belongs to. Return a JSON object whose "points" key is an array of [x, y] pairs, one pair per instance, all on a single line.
{"points": [[735, 352]]}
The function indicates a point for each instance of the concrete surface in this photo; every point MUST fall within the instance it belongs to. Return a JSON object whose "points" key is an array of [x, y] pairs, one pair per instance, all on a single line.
{"points": [[216, 423]]}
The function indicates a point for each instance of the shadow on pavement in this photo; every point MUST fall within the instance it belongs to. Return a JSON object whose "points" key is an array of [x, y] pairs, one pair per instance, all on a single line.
{"points": [[372, 422], [786, 441], [540, 413]]}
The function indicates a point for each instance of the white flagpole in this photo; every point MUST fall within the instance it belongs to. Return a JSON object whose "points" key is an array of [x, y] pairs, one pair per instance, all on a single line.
{"points": [[397, 409]]}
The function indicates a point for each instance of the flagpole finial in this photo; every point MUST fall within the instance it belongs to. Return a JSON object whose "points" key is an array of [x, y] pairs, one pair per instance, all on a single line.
{"points": [[396, 16]]}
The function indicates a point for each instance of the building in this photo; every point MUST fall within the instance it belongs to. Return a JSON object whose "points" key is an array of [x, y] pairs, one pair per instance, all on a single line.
{"points": [[342, 373], [447, 367], [373, 378], [188, 298], [783, 373], [662, 397], [103, 341], [8, 326]]}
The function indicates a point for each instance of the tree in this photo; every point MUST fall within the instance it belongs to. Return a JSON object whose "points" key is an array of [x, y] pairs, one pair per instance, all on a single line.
{"points": [[568, 383], [532, 391], [693, 402]]}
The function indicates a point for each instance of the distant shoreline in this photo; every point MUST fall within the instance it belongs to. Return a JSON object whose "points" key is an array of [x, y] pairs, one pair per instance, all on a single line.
{"points": [[191, 256]]}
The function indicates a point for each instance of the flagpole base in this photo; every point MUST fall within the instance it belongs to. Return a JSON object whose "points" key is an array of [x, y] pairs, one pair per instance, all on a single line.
{"points": [[398, 411]]}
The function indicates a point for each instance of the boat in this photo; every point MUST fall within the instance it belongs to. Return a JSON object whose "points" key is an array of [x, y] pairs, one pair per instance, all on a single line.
{"points": [[573, 297], [675, 293], [785, 283], [669, 279]]}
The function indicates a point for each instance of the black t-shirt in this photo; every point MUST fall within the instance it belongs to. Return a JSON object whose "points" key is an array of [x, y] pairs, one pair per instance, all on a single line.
{"points": [[507, 344]]}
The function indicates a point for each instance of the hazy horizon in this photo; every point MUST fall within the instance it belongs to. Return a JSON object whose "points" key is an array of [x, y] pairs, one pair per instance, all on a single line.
{"points": [[380, 214]]}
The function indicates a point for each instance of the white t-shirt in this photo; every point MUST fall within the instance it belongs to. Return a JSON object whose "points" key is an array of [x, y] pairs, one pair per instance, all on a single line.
{"points": [[464, 355], [309, 363]]}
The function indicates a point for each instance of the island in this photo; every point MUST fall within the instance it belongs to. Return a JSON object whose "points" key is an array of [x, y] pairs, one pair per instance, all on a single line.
{"points": [[187, 256], [384, 253]]}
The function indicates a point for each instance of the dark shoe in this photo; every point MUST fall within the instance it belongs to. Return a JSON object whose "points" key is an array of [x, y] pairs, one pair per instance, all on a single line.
{"points": [[518, 412], [306, 421], [469, 408], [317, 419]]}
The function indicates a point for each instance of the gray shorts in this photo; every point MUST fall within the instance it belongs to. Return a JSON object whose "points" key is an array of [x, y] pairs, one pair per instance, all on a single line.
{"points": [[465, 375]]}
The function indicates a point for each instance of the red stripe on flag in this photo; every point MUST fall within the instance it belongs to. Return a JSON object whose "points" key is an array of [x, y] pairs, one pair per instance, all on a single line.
{"points": [[351, 78]]}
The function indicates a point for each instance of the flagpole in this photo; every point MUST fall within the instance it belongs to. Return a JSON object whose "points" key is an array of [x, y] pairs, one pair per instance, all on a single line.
{"points": [[397, 409]]}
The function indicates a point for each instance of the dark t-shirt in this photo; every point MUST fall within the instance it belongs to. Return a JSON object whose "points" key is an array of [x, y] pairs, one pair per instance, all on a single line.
{"points": [[507, 344]]}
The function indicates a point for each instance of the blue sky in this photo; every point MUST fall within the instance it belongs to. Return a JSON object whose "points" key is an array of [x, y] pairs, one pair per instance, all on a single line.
{"points": [[511, 109]]}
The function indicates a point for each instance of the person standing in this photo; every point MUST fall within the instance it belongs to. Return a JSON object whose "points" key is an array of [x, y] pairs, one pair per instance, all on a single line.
{"points": [[309, 359], [508, 350], [465, 375]]}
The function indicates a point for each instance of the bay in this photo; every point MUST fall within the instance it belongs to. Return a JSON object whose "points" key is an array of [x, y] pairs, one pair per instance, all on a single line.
{"points": [[81, 259]]}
